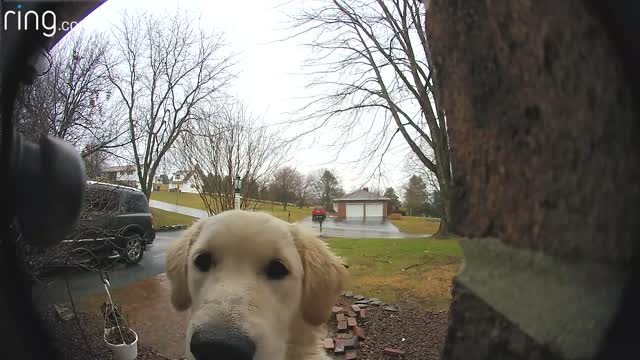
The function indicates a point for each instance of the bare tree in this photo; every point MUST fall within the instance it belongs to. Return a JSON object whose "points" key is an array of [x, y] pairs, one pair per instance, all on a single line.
{"points": [[413, 166], [162, 69], [94, 163], [325, 187], [72, 99], [286, 185], [304, 190], [223, 143], [373, 64]]}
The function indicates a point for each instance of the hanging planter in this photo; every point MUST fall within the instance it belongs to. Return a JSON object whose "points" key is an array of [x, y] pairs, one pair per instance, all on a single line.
{"points": [[121, 339]]}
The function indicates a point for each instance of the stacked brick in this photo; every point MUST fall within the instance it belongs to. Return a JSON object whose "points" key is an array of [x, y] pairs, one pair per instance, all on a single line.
{"points": [[348, 329], [345, 342]]}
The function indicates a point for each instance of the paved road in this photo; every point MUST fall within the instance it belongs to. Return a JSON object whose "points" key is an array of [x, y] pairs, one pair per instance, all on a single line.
{"points": [[153, 263], [178, 209], [358, 229]]}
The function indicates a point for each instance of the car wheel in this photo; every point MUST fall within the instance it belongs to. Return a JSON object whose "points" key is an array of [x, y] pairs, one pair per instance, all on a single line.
{"points": [[134, 249]]}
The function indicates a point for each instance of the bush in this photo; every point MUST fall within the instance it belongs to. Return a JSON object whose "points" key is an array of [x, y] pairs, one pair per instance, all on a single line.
{"points": [[395, 216]]}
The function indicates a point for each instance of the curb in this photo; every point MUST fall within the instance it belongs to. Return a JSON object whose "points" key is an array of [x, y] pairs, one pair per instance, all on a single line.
{"points": [[171, 228]]}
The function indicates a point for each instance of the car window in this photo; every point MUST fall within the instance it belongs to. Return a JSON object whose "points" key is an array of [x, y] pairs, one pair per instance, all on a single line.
{"points": [[101, 200], [136, 203]]}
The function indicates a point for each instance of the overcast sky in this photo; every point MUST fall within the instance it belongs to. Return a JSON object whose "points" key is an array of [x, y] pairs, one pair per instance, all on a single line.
{"points": [[271, 80]]}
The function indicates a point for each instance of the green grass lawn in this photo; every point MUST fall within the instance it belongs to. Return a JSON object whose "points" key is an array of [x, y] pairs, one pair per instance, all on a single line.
{"points": [[376, 269], [417, 225], [194, 201], [183, 199], [163, 218], [276, 210]]}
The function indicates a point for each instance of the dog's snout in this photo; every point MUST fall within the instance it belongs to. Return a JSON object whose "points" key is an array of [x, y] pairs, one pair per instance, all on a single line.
{"points": [[217, 342]]}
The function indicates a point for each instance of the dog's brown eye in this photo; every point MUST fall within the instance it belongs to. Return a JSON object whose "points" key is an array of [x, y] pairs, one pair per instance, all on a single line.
{"points": [[203, 261], [275, 270]]}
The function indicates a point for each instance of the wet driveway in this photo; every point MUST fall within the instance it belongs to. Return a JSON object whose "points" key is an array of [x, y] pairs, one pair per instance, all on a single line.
{"points": [[370, 228], [52, 287]]}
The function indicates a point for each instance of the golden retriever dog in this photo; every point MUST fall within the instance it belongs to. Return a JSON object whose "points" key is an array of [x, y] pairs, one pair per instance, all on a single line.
{"points": [[257, 288]]}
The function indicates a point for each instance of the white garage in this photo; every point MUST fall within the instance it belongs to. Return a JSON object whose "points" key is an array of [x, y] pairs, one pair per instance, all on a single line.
{"points": [[361, 204], [374, 209], [355, 210]]}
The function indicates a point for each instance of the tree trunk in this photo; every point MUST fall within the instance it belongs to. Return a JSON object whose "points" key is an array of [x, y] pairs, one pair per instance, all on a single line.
{"points": [[146, 188], [444, 182], [445, 211]]}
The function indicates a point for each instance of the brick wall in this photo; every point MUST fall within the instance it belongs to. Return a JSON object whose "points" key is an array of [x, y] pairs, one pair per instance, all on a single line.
{"points": [[342, 210]]}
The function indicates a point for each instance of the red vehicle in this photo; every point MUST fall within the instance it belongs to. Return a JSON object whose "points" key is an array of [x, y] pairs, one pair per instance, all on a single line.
{"points": [[318, 213]]}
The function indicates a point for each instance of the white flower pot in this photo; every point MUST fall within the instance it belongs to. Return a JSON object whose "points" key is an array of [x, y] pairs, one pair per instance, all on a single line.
{"points": [[122, 351]]}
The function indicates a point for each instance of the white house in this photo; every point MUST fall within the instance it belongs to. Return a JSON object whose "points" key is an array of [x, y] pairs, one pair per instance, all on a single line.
{"points": [[125, 175], [184, 181]]}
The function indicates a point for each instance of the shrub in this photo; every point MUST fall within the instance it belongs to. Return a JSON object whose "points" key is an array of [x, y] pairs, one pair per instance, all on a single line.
{"points": [[395, 216]]}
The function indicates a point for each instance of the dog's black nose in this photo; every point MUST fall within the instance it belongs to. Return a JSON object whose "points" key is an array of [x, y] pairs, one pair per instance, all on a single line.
{"points": [[215, 342]]}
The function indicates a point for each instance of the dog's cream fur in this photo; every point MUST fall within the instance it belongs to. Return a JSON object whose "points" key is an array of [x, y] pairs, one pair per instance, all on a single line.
{"points": [[283, 317]]}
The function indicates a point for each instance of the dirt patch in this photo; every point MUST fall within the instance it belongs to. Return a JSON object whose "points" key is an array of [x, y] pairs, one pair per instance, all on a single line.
{"points": [[417, 332], [88, 343], [148, 309], [429, 288]]}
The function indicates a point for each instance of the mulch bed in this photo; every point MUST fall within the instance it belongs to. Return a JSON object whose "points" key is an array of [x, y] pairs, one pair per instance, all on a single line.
{"points": [[420, 334], [71, 341]]}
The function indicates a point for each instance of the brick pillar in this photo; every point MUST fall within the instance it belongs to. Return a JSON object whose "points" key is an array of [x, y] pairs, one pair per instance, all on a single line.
{"points": [[545, 175]]}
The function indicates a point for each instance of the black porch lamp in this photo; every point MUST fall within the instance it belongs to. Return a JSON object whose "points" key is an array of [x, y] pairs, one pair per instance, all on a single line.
{"points": [[238, 184]]}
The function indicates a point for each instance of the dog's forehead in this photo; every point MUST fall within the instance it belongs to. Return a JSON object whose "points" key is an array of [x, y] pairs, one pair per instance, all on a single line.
{"points": [[258, 232]]}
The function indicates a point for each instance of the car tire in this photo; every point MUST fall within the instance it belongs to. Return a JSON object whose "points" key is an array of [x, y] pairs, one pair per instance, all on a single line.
{"points": [[133, 248]]}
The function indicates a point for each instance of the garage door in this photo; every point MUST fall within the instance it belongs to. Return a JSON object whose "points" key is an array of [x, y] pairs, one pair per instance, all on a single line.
{"points": [[355, 210], [374, 210]]}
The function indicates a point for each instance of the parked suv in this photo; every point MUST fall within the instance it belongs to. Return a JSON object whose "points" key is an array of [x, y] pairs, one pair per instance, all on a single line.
{"points": [[115, 222]]}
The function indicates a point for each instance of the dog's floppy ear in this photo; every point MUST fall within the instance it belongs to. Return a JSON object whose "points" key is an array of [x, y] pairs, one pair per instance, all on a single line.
{"points": [[177, 267], [324, 276]]}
